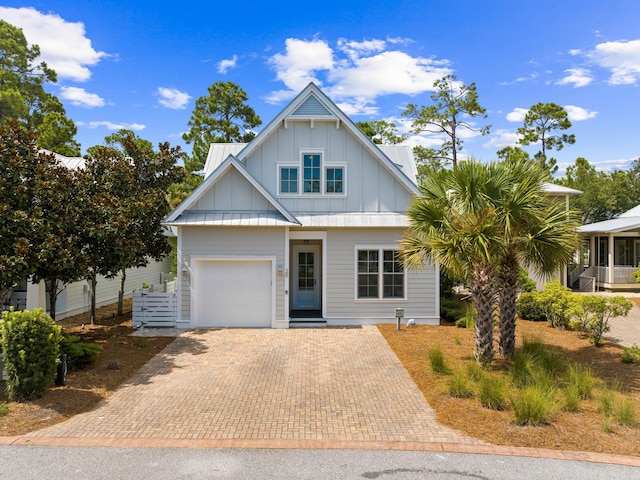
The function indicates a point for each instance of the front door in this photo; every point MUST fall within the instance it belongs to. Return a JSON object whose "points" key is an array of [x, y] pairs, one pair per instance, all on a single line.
{"points": [[306, 277]]}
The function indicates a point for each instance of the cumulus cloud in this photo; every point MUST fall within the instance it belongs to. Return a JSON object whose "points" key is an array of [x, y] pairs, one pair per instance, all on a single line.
{"points": [[81, 98], [113, 126], [63, 45], [578, 77], [621, 58], [517, 115], [501, 139], [355, 73], [173, 98], [225, 65], [577, 114]]}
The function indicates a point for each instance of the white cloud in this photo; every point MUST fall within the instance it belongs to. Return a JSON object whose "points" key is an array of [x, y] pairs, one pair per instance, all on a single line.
{"points": [[355, 73], [225, 65], [173, 98], [81, 98], [298, 65], [577, 114], [621, 58], [112, 126], [517, 115], [578, 77], [501, 139], [63, 45]]}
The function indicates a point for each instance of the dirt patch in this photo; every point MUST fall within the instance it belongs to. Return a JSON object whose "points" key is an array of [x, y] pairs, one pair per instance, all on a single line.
{"points": [[581, 431], [86, 387]]}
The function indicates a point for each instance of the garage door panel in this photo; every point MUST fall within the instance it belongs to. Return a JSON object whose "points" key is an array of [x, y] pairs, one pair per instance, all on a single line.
{"points": [[233, 294]]}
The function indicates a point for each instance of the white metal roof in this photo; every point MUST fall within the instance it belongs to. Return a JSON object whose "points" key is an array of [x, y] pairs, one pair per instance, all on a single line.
{"points": [[72, 163], [402, 156], [218, 153], [626, 222], [553, 188], [228, 219]]}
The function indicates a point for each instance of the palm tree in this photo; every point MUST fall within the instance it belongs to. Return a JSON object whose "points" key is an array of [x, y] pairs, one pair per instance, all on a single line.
{"points": [[537, 233], [454, 223]]}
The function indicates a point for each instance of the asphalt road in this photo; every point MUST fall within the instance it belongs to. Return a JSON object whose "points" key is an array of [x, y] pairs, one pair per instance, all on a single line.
{"points": [[96, 463]]}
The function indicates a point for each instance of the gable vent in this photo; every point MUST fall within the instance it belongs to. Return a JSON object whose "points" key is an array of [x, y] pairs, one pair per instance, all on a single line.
{"points": [[311, 108]]}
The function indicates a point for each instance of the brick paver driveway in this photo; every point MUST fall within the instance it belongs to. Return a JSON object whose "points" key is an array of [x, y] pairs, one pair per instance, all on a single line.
{"points": [[322, 385]]}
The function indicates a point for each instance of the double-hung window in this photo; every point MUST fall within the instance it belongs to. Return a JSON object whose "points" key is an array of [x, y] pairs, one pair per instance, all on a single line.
{"points": [[379, 274], [311, 176]]}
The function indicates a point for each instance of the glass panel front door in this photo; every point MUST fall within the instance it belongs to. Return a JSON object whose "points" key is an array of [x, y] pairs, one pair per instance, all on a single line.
{"points": [[306, 280]]}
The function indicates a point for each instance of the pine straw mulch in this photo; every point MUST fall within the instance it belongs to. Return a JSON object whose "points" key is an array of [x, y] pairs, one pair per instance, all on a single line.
{"points": [[580, 431], [86, 387]]}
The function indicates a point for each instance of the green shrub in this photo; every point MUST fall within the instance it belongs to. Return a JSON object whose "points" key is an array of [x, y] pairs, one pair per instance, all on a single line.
{"points": [[31, 343], [459, 386], [491, 393], [4, 409], [79, 353], [598, 312], [437, 361], [559, 304], [450, 310], [468, 318], [525, 283], [529, 307], [631, 354], [533, 405]]}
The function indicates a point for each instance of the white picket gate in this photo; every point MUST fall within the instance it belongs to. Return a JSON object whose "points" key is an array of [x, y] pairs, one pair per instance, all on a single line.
{"points": [[154, 309]]}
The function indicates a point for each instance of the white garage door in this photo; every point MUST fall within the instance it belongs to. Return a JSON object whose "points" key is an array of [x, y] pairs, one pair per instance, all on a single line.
{"points": [[234, 293]]}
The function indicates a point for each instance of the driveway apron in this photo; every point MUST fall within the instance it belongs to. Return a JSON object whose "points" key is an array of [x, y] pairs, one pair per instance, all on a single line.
{"points": [[342, 384]]}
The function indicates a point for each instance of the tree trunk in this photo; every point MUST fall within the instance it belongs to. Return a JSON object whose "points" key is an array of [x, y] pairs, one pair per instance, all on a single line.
{"points": [[483, 301], [53, 296], [123, 278], [508, 282], [94, 283]]}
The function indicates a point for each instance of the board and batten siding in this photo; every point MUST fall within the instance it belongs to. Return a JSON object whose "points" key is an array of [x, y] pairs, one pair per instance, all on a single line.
{"points": [[422, 285], [233, 193], [230, 242], [369, 185]]}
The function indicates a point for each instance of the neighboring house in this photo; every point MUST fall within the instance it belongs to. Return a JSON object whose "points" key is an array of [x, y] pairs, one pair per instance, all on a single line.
{"points": [[76, 297], [612, 243], [301, 224]]}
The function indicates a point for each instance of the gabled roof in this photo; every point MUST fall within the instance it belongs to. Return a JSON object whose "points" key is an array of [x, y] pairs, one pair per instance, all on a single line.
{"points": [[72, 163], [229, 163], [627, 222], [218, 153], [311, 103]]}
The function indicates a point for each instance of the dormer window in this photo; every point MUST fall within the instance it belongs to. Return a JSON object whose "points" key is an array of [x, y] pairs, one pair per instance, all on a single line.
{"points": [[318, 176]]}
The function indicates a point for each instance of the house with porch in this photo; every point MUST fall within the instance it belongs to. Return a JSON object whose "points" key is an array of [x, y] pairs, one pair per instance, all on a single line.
{"points": [[301, 225], [613, 253]]}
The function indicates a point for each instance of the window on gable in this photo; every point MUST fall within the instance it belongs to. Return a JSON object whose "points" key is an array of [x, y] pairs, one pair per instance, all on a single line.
{"points": [[380, 275], [288, 180], [311, 172], [334, 180]]}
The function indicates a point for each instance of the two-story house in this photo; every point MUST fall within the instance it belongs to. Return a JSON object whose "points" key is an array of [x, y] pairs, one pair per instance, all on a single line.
{"points": [[300, 225]]}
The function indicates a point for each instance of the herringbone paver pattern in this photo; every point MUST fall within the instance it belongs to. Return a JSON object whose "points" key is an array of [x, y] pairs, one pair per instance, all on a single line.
{"points": [[297, 384]]}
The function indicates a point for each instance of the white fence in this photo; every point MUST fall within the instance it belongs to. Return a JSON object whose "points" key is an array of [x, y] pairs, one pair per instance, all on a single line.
{"points": [[154, 309]]}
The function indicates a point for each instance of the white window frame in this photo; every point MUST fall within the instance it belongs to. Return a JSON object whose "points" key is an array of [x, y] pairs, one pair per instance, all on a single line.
{"points": [[323, 175], [280, 166], [380, 299]]}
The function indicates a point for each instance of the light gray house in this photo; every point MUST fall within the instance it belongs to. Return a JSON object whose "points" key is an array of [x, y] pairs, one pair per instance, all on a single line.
{"points": [[300, 225], [614, 253]]}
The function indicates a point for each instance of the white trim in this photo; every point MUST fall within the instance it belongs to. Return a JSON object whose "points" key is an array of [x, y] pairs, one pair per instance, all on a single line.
{"points": [[287, 240], [380, 298], [336, 165], [316, 235], [179, 265], [236, 258]]}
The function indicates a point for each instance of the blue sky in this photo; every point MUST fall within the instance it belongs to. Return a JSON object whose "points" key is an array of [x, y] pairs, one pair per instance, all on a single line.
{"points": [[142, 64]]}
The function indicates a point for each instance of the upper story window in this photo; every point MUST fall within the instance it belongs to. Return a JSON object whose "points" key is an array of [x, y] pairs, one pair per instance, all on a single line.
{"points": [[311, 176], [311, 172]]}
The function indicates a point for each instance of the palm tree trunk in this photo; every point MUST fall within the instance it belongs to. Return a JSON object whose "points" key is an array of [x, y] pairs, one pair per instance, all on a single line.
{"points": [[483, 301], [508, 283]]}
